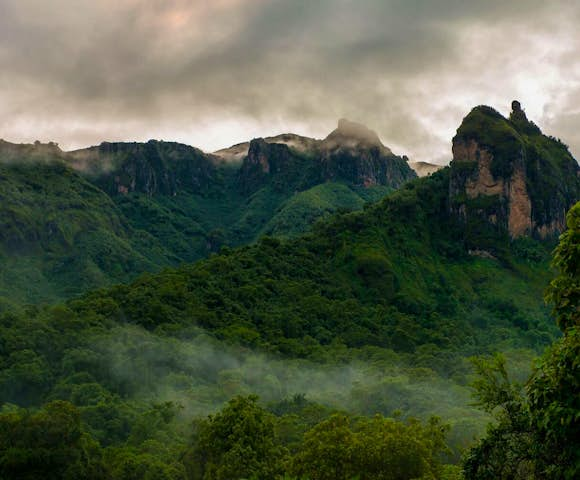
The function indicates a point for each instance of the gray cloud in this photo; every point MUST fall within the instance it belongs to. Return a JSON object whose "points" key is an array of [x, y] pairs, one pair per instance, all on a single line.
{"points": [[213, 73]]}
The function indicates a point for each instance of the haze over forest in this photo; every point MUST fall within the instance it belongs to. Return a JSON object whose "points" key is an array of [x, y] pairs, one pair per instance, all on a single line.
{"points": [[289, 240]]}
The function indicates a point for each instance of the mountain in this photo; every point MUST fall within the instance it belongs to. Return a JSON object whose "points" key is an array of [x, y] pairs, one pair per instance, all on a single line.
{"points": [[237, 153], [428, 264], [370, 313], [153, 168], [508, 177], [423, 169], [91, 217], [59, 231]]}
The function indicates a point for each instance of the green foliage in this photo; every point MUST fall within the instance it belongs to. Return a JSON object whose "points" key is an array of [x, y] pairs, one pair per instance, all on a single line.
{"points": [[536, 434], [238, 442], [564, 290], [135, 208], [371, 448], [491, 130], [394, 276], [49, 444]]}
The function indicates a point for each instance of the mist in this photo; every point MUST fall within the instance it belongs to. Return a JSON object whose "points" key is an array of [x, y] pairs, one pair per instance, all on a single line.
{"points": [[200, 374], [213, 74]]}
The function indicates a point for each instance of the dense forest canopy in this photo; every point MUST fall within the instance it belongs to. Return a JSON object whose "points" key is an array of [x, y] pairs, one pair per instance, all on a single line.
{"points": [[344, 352]]}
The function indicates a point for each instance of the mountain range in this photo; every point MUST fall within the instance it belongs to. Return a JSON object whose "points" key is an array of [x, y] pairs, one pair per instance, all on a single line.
{"points": [[322, 275], [87, 218]]}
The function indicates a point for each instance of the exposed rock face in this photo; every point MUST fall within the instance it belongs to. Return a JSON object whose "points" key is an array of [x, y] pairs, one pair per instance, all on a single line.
{"points": [[355, 153], [352, 153], [152, 168], [513, 208], [264, 161], [510, 175]]}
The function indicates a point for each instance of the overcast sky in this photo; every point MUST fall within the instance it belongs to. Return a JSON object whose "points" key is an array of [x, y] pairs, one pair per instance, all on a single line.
{"points": [[212, 73]]}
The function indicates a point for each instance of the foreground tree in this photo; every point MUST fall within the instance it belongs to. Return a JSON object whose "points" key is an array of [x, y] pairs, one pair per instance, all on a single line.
{"points": [[48, 445], [537, 431], [375, 448], [238, 442]]}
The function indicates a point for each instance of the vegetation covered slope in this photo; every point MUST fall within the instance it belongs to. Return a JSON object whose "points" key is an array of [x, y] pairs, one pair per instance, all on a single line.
{"points": [[89, 218], [371, 312], [396, 276], [536, 432], [58, 231], [117, 398]]}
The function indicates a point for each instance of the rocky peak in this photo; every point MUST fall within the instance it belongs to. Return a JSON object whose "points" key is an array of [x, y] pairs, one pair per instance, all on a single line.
{"points": [[264, 161], [355, 153], [353, 136], [508, 174], [517, 112], [237, 153]]}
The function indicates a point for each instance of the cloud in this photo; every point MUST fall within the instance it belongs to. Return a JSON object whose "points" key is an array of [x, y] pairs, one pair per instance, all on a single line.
{"points": [[216, 73]]}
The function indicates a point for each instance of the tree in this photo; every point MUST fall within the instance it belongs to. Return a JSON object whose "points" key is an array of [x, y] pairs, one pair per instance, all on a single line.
{"points": [[328, 451], [371, 449], [47, 445], [536, 436], [238, 442]]}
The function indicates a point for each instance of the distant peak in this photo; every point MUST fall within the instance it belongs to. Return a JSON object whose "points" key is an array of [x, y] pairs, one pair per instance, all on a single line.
{"points": [[353, 135], [357, 130]]}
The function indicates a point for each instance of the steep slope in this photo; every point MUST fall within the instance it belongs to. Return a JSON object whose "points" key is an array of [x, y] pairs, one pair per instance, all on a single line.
{"points": [[153, 168], [506, 173], [395, 276], [405, 273], [149, 205], [58, 231]]}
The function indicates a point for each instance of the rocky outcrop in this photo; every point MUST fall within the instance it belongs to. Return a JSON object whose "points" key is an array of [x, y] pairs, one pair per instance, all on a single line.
{"points": [[267, 161], [352, 154], [237, 153], [355, 153], [153, 168], [506, 173]]}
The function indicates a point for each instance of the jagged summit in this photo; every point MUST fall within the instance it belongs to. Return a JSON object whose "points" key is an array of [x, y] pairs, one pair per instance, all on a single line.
{"points": [[347, 135], [353, 135], [352, 153], [507, 173]]}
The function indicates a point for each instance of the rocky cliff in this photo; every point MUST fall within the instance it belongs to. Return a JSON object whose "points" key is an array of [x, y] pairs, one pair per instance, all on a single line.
{"points": [[153, 168], [352, 154], [508, 174]]}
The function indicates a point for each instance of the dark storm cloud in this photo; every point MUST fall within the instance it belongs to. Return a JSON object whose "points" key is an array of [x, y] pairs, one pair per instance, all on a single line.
{"points": [[215, 72]]}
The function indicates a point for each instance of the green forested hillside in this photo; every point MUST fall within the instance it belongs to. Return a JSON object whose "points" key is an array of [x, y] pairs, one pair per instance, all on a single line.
{"points": [[85, 219], [58, 232], [339, 315], [358, 337]]}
